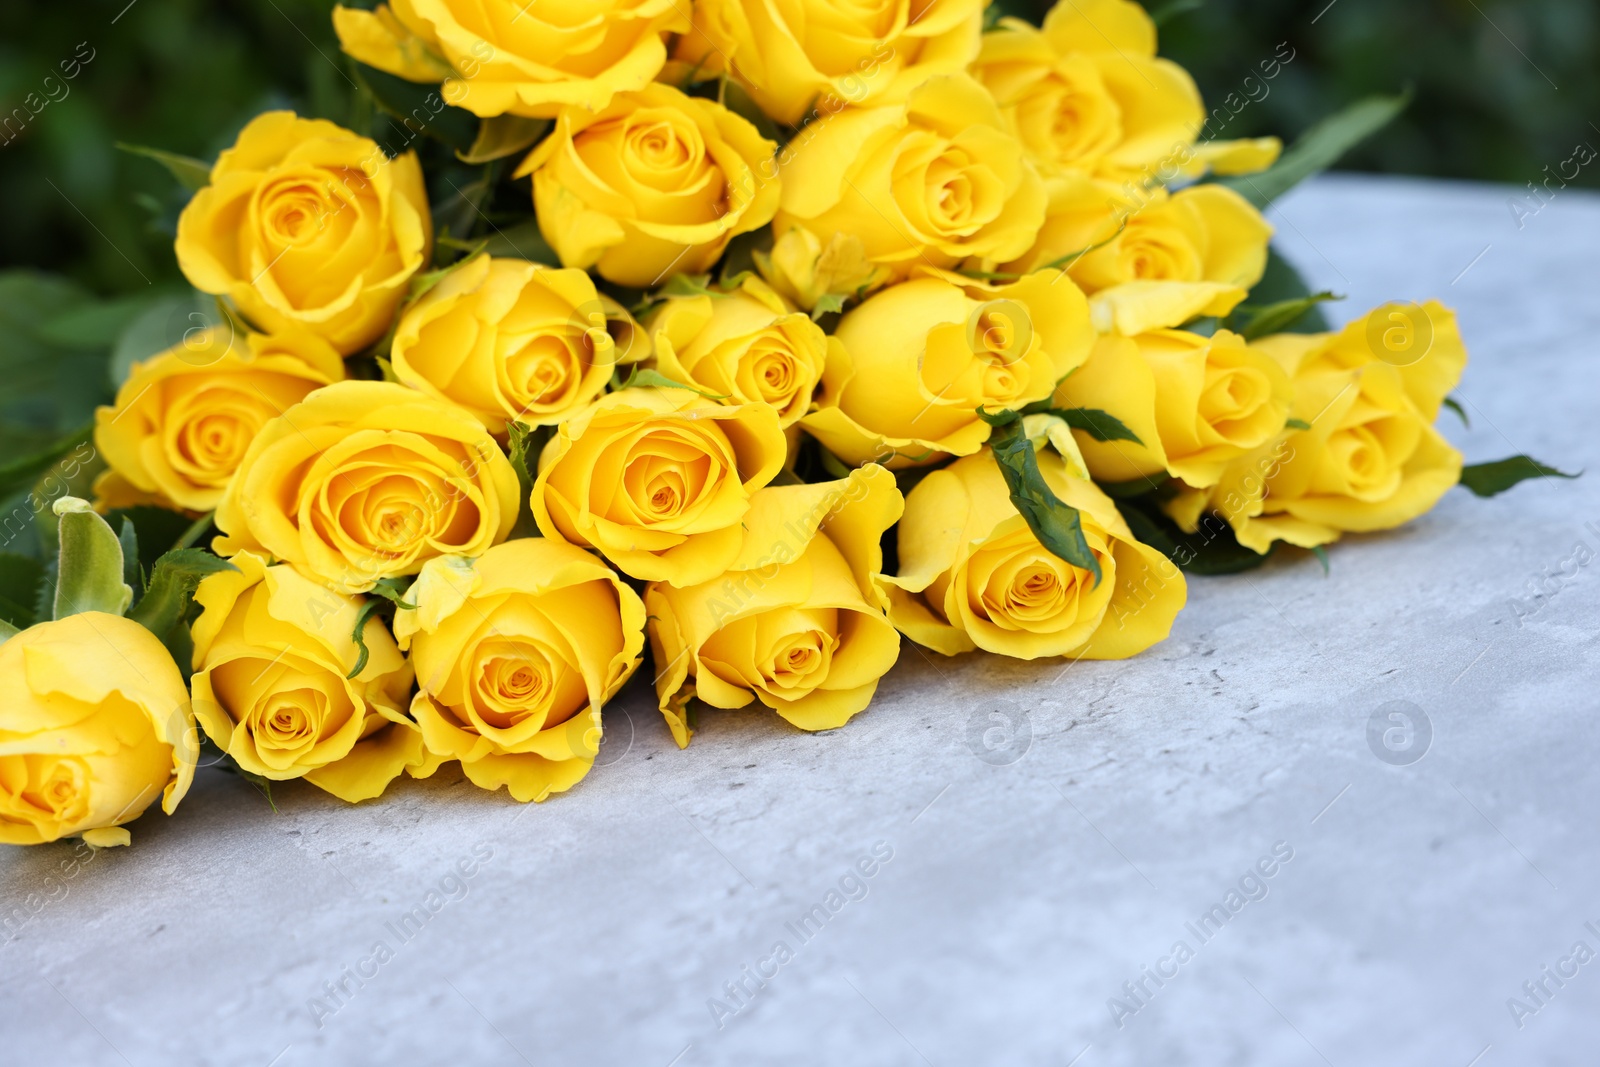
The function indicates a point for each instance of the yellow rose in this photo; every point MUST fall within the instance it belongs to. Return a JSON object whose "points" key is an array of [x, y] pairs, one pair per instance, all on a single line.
{"points": [[512, 341], [658, 480], [517, 57], [1205, 233], [368, 480], [1372, 459], [184, 418], [1086, 94], [516, 652], [917, 360], [746, 345], [272, 654], [306, 226], [972, 574], [795, 58], [94, 726], [805, 270], [928, 182], [797, 622], [1195, 403], [656, 183]]}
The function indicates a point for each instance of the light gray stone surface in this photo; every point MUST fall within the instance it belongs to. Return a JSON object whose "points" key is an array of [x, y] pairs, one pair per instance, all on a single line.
{"points": [[1019, 897]]}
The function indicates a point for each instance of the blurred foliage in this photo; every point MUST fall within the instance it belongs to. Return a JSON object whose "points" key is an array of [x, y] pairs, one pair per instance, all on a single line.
{"points": [[185, 75]]}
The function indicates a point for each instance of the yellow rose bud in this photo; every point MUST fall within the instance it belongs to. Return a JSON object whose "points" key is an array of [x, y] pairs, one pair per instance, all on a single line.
{"points": [[1372, 459], [272, 654], [94, 726], [797, 60], [1086, 94], [183, 420], [1205, 233], [658, 480], [307, 226], [797, 622], [805, 270], [747, 346], [368, 480], [512, 341], [1195, 403], [517, 57], [928, 182], [973, 575], [656, 183], [917, 360], [516, 652]]}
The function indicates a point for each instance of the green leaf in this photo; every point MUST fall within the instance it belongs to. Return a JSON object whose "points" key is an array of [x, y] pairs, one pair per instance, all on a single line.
{"points": [[94, 327], [525, 445], [1255, 322], [737, 100], [1155, 486], [128, 538], [1461, 413], [21, 473], [89, 569], [1297, 424], [193, 174], [740, 259], [1098, 424], [1056, 524], [157, 530], [1172, 9], [523, 241], [646, 378], [50, 389], [20, 578], [503, 135], [164, 608], [1319, 148], [1211, 550], [1492, 479], [1321, 552], [420, 109], [163, 324], [1282, 283]]}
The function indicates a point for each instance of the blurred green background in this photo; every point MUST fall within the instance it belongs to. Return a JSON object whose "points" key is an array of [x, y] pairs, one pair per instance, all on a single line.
{"points": [[185, 75]]}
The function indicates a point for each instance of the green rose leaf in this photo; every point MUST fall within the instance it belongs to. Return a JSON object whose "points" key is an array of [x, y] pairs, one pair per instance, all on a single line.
{"points": [[1253, 323], [193, 174], [1492, 479], [1319, 148], [1056, 524], [164, 608]]}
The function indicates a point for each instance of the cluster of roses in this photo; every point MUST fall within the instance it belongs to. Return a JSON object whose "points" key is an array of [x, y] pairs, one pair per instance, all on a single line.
{"points": [[547, 478]]}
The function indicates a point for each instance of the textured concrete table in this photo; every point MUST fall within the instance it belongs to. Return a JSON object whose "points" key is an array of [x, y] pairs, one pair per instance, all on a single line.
{"points": [[1021, 909]]}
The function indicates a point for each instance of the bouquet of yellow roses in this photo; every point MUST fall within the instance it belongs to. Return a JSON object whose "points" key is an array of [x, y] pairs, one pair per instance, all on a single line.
{"points": [[746, 338]]}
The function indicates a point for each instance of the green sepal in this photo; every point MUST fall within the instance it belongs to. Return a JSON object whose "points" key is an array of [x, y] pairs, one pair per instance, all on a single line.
{"points": [[358, 635], [89, 565]]}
